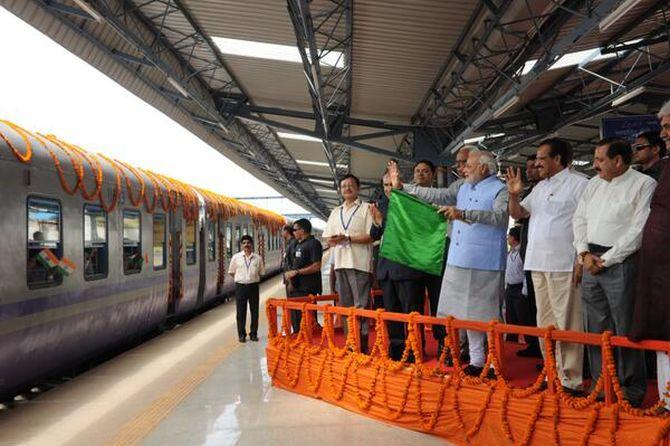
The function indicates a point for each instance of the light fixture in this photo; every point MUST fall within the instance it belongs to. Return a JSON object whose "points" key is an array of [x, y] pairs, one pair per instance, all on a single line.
{"points": [[178, 87], [319, 164], [325, 191], [506, 106], [475, 140], [478, 139], [617, 14], [297, 136], [89, 10], [580, 162], [628, 96], [318, 181]]}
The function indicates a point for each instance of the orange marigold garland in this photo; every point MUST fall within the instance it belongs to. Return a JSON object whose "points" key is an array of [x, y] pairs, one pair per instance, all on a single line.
{"points": [[323, 354], [23, 157]]}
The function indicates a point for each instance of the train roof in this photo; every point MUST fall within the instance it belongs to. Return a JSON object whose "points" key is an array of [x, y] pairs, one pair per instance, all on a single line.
{"points": [[88, 174]]}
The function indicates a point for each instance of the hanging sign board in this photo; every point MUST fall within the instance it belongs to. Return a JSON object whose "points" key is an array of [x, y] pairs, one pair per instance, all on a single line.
{"points": [[628, 127]]}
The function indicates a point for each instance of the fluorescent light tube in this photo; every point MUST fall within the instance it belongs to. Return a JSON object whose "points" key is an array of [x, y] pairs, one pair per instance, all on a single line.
{"points": [[89, 10], [178, 87], [506, 106], [297, 136], [319, 164], [628, 96]]}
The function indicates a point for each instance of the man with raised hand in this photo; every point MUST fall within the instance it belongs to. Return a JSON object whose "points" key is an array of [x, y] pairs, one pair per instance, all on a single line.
{"points": [[550, 256], [608, 225], [473, 279], [402, 286], [348, 234]]}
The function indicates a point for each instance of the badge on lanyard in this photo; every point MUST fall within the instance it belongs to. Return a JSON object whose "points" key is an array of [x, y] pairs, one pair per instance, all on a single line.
{"points": [[298, 254], [346, 226]]}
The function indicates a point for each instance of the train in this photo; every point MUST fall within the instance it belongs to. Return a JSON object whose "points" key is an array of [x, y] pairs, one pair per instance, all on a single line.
{"points": [[96, 252]]}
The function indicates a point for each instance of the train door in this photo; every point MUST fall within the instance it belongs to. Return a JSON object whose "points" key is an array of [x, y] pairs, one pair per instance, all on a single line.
{"points": [[175, 262], [203, 265]]}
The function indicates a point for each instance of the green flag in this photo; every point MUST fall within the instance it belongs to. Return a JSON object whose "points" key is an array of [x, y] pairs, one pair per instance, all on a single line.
{"points": [[415, 234]]}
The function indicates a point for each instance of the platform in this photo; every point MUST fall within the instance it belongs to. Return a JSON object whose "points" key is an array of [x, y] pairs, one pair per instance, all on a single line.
{"points": [[192, 385]]}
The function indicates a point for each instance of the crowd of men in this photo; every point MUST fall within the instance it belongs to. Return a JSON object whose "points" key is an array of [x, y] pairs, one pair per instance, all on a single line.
{"points": [[583, 254]]}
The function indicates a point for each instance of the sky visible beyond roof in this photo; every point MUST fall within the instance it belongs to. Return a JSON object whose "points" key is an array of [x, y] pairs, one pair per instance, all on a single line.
{"points": [[45, 88]]}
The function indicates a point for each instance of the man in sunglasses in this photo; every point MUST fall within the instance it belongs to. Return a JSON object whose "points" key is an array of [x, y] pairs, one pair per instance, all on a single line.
{"points": [[305, 274], [648, 151]]}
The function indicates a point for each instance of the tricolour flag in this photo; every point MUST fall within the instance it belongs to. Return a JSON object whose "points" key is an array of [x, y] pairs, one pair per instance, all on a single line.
{"points": [[415, 234], [47, 258], [66, 266]]}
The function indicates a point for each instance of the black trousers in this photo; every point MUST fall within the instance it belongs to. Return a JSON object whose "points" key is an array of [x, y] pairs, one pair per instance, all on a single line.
{"points": [[433, 285], [400, 296], [513, 299], [296, 315], [526, 311], [246, 292]]}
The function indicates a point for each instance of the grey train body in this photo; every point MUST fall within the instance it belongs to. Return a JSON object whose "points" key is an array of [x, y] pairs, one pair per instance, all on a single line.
{"points": [[47, 330]]}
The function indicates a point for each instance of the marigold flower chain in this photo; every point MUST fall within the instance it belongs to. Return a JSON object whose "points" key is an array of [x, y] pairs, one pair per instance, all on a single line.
{"points": [[413, 378]]}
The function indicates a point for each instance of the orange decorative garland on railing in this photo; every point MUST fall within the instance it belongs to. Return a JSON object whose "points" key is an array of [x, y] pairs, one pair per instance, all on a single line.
{"points": [[480, 408]]}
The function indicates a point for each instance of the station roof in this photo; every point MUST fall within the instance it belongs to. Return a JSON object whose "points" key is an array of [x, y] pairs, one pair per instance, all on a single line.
{"points": [[362, 81]]}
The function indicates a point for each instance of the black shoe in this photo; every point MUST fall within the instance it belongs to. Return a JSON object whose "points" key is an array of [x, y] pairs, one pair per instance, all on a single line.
{"points": [[529, 352], [574, 392], [243, 339], [253, 338], [473, 370]]}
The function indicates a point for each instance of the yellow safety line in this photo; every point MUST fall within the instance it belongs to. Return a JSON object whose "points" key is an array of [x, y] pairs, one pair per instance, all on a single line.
{"points": [[148, 418]]}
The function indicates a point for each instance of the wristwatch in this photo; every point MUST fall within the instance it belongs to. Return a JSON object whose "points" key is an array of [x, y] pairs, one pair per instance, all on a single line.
{"points": [[581, 256]]}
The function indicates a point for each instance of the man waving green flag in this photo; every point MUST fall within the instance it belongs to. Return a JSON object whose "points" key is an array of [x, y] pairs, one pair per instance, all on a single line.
{"points": [[415, 234]]}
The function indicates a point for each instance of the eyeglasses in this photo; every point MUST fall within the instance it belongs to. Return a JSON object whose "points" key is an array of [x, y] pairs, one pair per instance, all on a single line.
{"points": [[639, 147]]}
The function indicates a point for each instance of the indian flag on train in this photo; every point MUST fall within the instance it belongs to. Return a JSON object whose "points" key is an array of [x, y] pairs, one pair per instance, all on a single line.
{"points": [[66, 266], [415, 234], [47, 258]]}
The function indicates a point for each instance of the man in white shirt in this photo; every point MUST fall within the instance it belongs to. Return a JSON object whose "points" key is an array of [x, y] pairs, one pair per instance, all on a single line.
{"points": [[550, 256], [608, 227], [246, 267], [348, 234]]}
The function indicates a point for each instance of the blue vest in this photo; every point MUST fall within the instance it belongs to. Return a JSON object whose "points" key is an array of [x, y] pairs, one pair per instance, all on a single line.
{"points": [[476, 245]]}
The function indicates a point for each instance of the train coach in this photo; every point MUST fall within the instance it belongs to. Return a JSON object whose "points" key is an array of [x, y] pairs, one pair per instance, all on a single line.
{"points": [[96, 252]]}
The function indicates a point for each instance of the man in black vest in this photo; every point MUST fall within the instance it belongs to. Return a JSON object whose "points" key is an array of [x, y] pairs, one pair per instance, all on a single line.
{"points": [[402, 286], [305, 273]]}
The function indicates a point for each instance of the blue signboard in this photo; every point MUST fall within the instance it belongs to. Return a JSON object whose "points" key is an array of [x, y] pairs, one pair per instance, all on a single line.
{"points": [[628, 127]]}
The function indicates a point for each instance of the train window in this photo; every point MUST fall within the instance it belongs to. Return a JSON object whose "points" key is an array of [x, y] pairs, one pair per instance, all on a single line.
{"points": [[95, 242], [132, 242], [238, 236], [159, 241], [45, 245], [190, 243], [229, 239], [211, 241]]}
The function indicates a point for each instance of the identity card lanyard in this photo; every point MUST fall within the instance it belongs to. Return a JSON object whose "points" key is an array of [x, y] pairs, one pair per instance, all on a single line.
{"points": [[248, 264], [346, 227]]}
